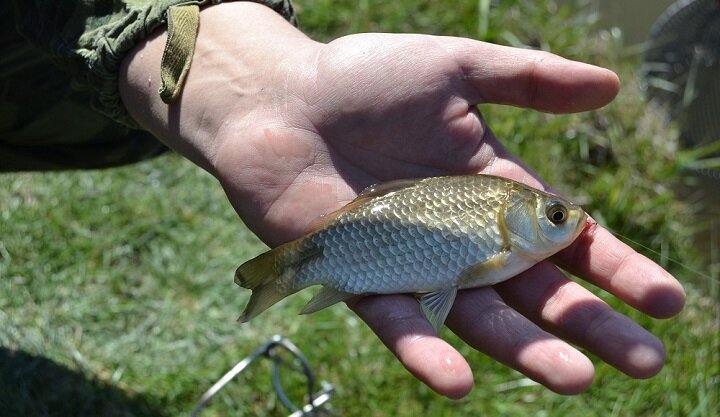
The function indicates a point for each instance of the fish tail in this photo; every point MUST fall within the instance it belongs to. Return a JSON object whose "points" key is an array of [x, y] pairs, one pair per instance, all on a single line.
{"points": [[270, 276]]}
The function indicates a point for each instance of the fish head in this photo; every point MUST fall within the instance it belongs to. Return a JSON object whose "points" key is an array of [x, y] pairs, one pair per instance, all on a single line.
{"points": [[540, 224]]}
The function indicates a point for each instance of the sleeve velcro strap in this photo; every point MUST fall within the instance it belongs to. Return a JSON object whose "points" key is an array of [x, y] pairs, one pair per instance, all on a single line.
{"points": [[182, 28]]}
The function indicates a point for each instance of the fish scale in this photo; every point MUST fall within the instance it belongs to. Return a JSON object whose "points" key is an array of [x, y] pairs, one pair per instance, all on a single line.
{"points": [[431, 236], [452, 222]]}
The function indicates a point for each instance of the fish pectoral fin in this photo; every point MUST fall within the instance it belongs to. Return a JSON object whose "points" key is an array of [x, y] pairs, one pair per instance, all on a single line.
{"points": [[484, 273], [436, 306], [325, 298]]}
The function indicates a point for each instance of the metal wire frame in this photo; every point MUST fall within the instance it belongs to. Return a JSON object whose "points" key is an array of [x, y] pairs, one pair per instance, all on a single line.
{"points": [[315, 400]]}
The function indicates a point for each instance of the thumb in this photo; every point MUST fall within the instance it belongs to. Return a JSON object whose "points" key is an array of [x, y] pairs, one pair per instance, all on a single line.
{"points": [[529, 78]]}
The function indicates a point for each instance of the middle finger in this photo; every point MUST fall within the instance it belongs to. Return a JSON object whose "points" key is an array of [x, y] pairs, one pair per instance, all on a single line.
{"points": [[483, 320], [546, 296]]}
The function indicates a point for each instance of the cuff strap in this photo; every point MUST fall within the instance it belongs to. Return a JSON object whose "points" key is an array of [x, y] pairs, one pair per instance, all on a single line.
{"points": [[182, 28]]}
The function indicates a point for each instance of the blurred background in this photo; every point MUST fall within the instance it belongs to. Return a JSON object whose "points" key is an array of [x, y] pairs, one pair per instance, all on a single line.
{"points": [[116, 292]]}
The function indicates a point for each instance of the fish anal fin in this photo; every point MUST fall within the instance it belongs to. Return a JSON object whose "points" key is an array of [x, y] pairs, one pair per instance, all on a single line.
{"points": [[325, 298], [436, 306]]}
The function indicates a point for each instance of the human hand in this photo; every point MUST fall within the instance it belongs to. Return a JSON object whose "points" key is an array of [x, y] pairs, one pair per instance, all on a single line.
{"points": [[294, 129]]}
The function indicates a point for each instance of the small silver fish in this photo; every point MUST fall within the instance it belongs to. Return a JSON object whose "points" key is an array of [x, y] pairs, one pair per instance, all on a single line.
{"points": [[429, 237]]}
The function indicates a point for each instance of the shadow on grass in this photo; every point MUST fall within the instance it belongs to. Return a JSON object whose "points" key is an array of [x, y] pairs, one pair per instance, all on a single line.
{"points": [[32, 385]]}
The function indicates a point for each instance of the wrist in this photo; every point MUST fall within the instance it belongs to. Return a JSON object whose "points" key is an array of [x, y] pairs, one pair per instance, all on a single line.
{"points": [[244, 56]]}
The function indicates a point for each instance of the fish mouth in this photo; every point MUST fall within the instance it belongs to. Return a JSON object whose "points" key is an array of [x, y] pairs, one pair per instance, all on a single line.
{"points": [[589, 223], [587, 226]]}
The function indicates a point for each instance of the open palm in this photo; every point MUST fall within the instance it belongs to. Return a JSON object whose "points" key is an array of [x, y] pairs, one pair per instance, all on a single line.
{"points": [[294, 129], [370, 108]]}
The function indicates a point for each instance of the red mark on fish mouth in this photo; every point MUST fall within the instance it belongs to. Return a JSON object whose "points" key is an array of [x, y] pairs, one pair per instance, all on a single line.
{"points": [[589, 228], [590, 223]]}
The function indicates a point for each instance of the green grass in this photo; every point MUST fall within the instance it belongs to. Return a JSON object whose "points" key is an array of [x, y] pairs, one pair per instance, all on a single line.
{"points": [[116, 293]]}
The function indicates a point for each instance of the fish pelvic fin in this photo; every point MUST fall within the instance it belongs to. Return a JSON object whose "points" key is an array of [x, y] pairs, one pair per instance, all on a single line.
{"points": [[271, 276], [436, 305]]}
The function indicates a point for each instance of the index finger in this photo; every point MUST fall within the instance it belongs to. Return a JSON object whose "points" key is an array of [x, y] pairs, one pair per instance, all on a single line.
{"points": [[600, 258]]}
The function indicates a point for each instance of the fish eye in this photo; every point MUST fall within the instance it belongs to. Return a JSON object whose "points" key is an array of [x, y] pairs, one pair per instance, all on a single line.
{"points": [[557, 213]]}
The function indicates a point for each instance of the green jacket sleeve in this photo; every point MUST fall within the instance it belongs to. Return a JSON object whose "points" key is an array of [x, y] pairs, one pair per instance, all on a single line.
{"points": [[88, 39], [59, 100]]}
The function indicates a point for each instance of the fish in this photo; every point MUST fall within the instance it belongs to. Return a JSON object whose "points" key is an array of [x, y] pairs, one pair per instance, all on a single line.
{"points": [[429, 237]]}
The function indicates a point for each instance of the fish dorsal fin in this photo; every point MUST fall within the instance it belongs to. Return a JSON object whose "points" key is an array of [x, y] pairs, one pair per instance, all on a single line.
{"points": [[436, 306], [375, 190], [326, 219]]}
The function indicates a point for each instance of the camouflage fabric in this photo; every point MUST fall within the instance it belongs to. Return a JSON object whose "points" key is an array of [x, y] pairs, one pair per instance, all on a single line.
{"points": [[59, 101]]}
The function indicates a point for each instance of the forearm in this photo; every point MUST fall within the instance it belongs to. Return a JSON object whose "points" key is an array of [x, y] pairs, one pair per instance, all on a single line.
{"points": [[243, 54], [87, 40]]}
